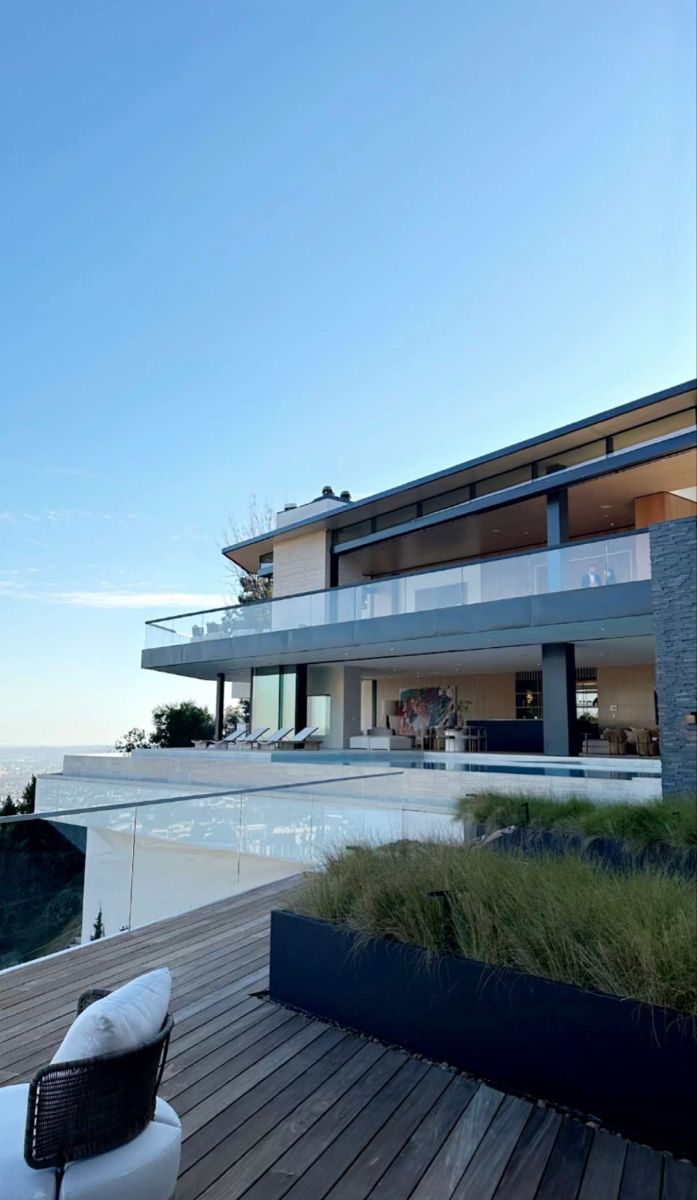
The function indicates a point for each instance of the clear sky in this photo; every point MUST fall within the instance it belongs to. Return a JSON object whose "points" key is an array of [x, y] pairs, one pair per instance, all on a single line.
{"points": [[263, 245]]}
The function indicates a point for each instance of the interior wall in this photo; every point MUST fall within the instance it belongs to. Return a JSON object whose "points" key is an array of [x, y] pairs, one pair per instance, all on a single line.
{"points": [[631, 689], [662, 506], [492, 696]]}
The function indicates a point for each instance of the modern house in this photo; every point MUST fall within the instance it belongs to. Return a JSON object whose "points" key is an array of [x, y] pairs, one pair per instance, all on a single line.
{"points": [[515, 592]]}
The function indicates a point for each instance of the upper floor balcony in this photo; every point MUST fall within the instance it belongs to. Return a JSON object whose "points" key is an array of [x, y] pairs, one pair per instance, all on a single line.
{"points": [[598, 563]]}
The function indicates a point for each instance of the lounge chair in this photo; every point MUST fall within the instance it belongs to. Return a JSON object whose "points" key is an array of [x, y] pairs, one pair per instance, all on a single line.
{"points": [[305, 737], [229, 740], [274, 739], [250, 738]]}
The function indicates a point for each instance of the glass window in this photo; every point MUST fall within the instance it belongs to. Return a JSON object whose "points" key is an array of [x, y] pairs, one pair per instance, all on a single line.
{"points": [[348, 532], [654, 429], [507, 479], [265, 698], [287, 708], [569, 458], [587, 701], [396, 517], [446, 500], [528, 695]]}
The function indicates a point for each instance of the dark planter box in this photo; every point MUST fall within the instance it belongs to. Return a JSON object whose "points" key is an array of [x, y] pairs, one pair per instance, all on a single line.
{"points": [[632, 1066]]}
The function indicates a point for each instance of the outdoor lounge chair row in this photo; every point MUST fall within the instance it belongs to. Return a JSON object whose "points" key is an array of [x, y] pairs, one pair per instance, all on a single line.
{"points": [[261, 738]]}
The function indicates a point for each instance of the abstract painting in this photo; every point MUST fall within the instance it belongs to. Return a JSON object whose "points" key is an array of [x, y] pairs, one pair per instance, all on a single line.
{"points": [[426, 708]]}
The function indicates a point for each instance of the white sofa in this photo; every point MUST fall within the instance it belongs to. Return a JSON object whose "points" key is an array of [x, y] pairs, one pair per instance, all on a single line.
{"points": [[381, 739]]}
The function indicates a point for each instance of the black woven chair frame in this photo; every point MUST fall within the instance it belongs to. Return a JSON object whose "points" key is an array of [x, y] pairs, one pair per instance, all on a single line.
{"points": [[80, 1109]]}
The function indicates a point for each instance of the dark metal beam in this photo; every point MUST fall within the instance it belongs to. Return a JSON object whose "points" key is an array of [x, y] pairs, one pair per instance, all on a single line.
{"points": [[219, 706]]}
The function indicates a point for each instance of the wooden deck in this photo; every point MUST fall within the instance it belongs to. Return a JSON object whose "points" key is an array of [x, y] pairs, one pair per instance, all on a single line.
{"points": [[274, 1104]]}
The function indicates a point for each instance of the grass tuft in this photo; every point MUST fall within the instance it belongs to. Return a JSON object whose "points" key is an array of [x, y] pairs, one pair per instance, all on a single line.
{"points": [[661, 823], [630, 935]]}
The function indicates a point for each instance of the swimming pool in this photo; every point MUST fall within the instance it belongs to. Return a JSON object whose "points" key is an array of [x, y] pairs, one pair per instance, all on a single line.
{"points": [[454, 763]]}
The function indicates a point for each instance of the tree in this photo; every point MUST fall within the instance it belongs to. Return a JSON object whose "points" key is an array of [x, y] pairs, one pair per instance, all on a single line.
{"points": [[181, 724], [135, 739], [27, 800], [249, 585], [236, 715], [8, 808], [98, 930]]}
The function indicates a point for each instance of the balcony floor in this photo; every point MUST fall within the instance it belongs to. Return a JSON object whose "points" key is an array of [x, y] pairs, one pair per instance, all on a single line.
{"points": [[274, 1104]]}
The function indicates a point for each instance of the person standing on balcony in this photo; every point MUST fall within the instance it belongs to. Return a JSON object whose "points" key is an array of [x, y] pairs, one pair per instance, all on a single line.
{"points": [[592, 578]]}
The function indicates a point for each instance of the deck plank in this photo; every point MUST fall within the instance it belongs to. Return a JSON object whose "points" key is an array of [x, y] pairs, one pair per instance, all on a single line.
{"points": [[567, 1162], [528, 1161], [492, 1155], [679, 1181], [605, 1167], [643, 1174], [278, 1106]]}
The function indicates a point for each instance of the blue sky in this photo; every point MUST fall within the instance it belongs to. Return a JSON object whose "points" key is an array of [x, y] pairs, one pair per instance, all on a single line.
{"points": [[258, 246]]}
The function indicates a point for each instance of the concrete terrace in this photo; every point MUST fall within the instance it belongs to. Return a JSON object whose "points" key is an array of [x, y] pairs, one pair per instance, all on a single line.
{"points": [[275, 1104]]}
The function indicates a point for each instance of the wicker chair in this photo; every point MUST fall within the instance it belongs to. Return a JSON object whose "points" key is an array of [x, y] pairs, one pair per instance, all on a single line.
{"points": [[617, 740], [93, 1127]]}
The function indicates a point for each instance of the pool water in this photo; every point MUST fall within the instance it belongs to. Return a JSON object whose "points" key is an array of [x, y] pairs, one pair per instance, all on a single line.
{"points": [[514, 767]]}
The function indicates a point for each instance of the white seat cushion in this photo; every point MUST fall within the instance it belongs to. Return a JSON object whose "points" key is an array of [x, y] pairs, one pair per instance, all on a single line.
{"points": [[131, 1015], [144, 1169], [17, 1180]]}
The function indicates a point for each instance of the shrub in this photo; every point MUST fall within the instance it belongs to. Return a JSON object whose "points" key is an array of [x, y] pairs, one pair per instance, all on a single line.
{"points": [[629, 935], [670, 823]]}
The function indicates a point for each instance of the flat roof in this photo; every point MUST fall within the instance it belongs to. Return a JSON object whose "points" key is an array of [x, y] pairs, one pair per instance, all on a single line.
{"points": [[563, 438]]}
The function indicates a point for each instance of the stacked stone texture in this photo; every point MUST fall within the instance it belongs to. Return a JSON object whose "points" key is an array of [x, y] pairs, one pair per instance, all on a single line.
{"points": [[674, 602]]}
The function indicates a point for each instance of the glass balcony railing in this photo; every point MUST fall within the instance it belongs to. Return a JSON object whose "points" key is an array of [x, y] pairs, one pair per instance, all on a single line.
{"points": [[85, 866], [598, 563]]}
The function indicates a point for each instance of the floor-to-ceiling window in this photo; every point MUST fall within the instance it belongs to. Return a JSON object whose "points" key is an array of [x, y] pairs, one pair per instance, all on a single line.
{"points": [[273, 697]]}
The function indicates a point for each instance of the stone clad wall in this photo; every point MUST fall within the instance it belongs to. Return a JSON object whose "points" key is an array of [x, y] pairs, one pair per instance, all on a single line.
{"points": [[301, 564], [674, 603]]}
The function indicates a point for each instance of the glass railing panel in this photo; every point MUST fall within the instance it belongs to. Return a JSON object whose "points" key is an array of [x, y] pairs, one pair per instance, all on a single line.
{"points": [[620, 559], [186, 854], [336, 824], [505, 578], [437, 589], [597, 564], [241, 620], [103, 868], [422, 826], [291, 612], [278, 825], [64, 882], [382, 598]]}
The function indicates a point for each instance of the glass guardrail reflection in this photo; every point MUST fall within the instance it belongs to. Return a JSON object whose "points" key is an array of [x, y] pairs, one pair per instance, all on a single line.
{"points": [[79, 874], [600, 563]]}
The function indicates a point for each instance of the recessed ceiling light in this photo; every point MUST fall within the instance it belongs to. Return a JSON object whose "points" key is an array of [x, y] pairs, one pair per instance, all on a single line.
{"points": [[606, 506]]}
